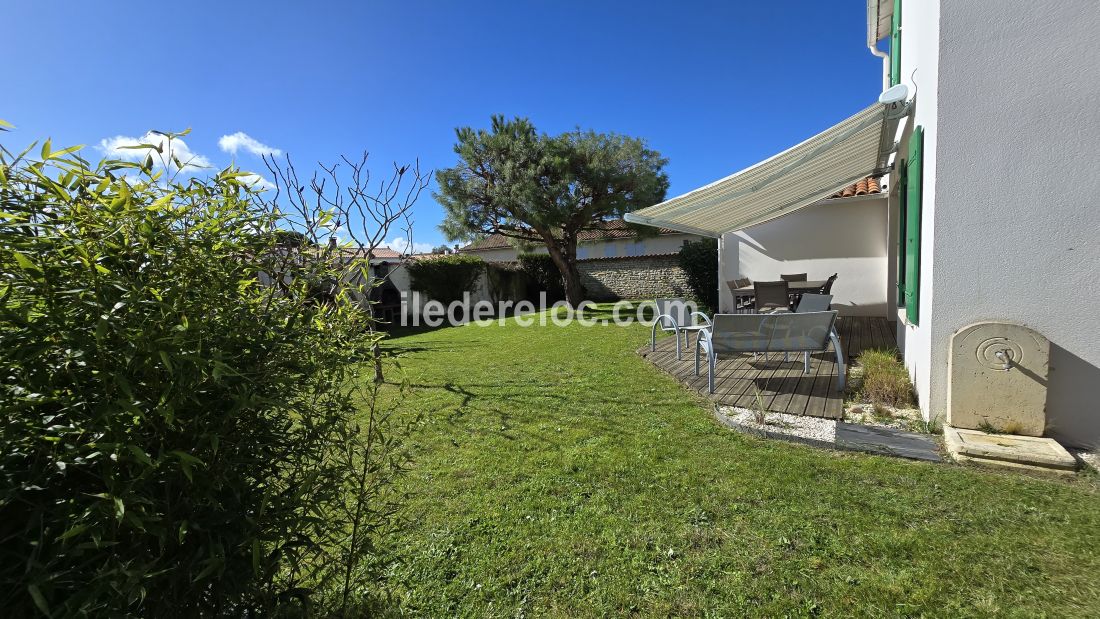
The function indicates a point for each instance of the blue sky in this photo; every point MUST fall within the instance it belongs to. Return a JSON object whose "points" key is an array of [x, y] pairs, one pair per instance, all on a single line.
{"points": [[714, 86]]}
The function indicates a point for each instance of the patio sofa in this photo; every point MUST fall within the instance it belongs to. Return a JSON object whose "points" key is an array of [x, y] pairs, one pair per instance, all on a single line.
{"points": [[732, 334]]}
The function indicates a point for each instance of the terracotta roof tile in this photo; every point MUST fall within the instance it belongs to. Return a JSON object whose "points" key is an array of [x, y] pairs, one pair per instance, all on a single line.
{"points": [[493, 241], [864, 187], [386, 252], [379, 252]]}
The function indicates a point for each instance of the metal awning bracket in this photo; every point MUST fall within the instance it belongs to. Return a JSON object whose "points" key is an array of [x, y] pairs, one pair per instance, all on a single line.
{"points": [[897, 111]]}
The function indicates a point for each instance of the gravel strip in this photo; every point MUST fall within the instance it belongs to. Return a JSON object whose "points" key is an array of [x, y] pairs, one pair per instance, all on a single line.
{"points": [[907, 419], [813, 430]]}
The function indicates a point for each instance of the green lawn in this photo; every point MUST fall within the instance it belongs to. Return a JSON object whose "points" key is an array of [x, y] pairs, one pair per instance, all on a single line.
{"points": [[557, 473]]}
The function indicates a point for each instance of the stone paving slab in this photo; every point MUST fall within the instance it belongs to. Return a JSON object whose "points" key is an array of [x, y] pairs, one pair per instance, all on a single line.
{"points": [[1008, 450], [887, 441]]}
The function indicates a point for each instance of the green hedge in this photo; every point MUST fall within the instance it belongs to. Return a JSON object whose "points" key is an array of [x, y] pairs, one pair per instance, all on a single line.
{"points": [[699, 261], [506, 282], [445, 278], [179, 439], [544, 276]]}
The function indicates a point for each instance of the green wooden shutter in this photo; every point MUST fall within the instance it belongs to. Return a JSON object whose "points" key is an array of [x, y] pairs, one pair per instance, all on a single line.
{"points": [[913, 168], [895, 45], [900, 175]]}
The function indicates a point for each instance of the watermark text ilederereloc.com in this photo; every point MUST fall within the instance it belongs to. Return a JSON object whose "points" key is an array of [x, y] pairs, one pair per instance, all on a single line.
{"points": [[416, 311]]}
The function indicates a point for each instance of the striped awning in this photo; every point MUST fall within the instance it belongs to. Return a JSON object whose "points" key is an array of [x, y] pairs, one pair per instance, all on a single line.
{"points": [[795, 178]]}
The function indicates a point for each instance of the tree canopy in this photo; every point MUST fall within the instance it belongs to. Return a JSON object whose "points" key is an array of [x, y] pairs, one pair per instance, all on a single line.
{"points": [[512, 180]]}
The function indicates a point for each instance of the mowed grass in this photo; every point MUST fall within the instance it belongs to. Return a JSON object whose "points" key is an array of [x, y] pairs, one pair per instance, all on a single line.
{"points": [[558, 474]]}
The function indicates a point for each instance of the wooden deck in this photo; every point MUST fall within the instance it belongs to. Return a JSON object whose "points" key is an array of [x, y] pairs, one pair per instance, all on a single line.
{"points": [[782, 385]]}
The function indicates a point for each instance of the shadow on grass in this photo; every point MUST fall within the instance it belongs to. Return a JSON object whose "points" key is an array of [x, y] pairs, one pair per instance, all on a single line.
{"points": [[512, 411], [399, 331]]}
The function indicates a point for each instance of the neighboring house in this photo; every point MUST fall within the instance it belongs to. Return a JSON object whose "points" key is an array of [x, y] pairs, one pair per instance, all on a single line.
{"points": [[382, 261], [614, 262], [392, 267], [984, 139], [385, 264]]}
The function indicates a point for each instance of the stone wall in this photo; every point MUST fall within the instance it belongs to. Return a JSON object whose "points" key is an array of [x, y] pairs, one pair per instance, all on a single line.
{"points": [[640, 277]]}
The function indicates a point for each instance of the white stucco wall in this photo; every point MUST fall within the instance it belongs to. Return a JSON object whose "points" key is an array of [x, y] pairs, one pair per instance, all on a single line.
{"points": [[507, 254], [399, 277], [1016, 185], [848, 238], [920, 72], [653, 246]]}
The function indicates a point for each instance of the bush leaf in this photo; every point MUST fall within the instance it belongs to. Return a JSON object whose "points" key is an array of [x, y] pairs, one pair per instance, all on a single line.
{"points": [[39, 600]]}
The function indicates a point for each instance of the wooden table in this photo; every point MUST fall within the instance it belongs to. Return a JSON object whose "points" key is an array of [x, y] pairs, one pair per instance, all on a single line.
{"points": [[794, 289]]}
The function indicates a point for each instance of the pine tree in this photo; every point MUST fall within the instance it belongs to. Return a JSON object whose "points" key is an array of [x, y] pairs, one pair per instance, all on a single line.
{"points": [[511, 180]]}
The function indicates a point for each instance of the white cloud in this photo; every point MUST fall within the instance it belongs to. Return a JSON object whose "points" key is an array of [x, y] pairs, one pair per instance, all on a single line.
{"points": [[257, 182], [402, 245], [113, 147], [236, 141]]}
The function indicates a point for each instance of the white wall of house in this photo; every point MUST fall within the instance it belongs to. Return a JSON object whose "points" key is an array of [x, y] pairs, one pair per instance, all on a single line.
{"points": [[846, 237], [1015, 217], [399, 277], [415, 302], [920, 63], [506, 254], [622, 248]]}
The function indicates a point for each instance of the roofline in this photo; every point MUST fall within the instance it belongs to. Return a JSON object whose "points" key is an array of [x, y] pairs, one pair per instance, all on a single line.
{"points": [[872, 23], [860, 198], [463, 250], [668, 231], [874, 16], [663, 254]]}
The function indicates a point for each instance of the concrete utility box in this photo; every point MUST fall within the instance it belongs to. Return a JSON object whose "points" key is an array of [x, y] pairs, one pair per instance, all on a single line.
{"points": [[997, 376]]}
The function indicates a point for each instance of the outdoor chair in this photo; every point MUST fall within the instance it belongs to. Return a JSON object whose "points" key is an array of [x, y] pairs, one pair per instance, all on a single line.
{"points": [[675, 316], [742, 302], [732, 334], [794, 277], [828, 287], [772, 296], [814, 303]]}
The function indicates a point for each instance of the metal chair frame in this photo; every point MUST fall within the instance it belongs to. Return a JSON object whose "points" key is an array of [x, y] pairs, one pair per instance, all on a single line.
{"points": [[668, 322]]}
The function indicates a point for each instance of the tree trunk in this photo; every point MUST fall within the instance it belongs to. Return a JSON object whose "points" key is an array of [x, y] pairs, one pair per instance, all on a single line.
{"points": [[564, 256], [574, 290]]}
